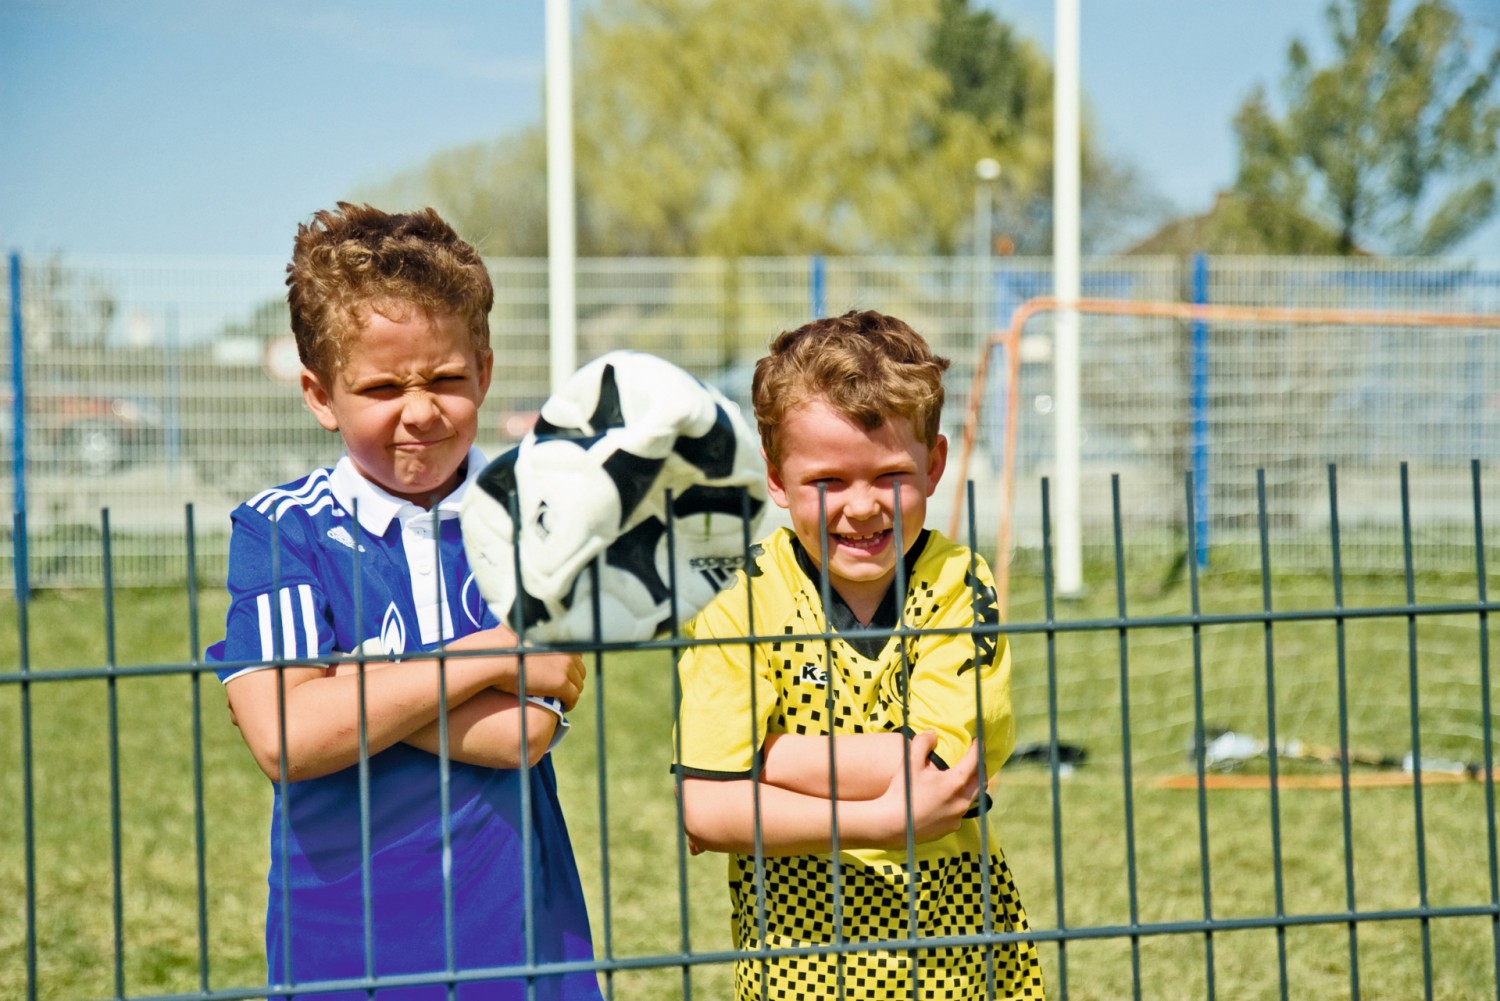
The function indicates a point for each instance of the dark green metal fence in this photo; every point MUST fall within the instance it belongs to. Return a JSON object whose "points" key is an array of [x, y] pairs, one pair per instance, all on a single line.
{"points": [[1231, 782]]}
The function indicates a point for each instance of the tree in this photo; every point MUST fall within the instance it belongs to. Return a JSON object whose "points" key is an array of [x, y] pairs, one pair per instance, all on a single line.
{"points": [[64, 308], [1392, 144], [785, 126], [717, 127], [495, 193]]}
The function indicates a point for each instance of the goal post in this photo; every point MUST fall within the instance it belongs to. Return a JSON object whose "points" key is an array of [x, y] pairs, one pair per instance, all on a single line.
{"points": [[1206, 313]]}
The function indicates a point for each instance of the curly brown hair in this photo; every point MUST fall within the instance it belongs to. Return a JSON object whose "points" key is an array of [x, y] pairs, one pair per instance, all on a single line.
{"points": [[868, 366], [357, 259]]}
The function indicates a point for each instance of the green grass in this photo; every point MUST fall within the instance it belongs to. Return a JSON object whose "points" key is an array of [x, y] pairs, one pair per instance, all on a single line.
{"points": [[651, 883]]}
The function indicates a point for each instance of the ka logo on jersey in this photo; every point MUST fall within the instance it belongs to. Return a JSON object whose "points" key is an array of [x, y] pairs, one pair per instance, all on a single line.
{"points": [[813, 674]]}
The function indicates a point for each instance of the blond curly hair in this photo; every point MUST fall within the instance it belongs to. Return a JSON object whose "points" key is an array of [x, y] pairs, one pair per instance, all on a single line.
{"points": [[867, 366], [355, 260]]}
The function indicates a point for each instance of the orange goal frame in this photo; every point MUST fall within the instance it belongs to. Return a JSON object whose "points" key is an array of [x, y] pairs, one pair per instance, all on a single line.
{"points": [[1196, 312]]}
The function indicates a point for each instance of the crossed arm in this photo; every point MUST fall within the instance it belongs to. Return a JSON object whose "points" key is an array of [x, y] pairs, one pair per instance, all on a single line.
{"points": [[796, 810], [402, 703]]}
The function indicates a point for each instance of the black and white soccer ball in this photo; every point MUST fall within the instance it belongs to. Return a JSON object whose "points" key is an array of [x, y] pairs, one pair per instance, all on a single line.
{"points": [[586, 496]]}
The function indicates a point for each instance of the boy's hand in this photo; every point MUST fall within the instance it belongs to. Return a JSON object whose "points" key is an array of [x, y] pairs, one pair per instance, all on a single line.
{"points": [[558, 675], [939, 798], [555, 675]]}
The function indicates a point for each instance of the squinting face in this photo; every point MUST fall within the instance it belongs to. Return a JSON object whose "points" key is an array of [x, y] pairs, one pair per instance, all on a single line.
{"points": [[406, 401], [865, 476]]}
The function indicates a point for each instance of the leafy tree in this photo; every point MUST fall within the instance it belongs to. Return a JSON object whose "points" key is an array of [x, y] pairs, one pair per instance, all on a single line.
{"points": [[1393, 143], [784, 126], [1000, 91], [781, 127], [65, 308], [495, 193], [1004, 83]]}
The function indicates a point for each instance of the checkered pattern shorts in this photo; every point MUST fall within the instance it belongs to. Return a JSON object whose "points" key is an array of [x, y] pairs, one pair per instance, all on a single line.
{"points": [[876, 907]]}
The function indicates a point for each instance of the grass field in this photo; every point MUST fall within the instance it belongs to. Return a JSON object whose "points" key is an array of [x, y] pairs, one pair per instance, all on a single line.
{"points": [[1129, 850]]}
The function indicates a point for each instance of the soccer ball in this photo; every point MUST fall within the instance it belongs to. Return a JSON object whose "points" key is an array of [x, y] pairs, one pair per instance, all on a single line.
{"points": [[637, 476]]}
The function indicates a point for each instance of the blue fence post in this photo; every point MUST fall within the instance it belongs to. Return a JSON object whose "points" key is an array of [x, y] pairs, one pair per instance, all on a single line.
{"points": [[1199, 406], [18, 429], [816, 287]]}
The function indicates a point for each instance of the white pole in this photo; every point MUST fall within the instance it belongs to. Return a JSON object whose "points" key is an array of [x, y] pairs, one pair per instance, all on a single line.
{"points": [[1066, 184], [562, 230]]}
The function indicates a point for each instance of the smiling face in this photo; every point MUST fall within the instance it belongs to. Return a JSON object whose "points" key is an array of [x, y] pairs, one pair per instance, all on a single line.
{"points": [[865, 474], [406, 401]]}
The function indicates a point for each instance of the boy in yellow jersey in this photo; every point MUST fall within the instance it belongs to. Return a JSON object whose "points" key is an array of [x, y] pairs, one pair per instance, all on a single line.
{"points": [[837, 697]]}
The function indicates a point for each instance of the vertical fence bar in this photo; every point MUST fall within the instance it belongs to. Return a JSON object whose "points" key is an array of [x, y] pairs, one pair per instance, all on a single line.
{"points": [[361, 694], [1199, 412], [1341, 655], [1486, 718], [528, 834], [1049, 618], [200, 834], [18, 425], [601, 774], [1200, 744], [1271, 739], [906, 778], [445, 779], [682, 879], [836, 865], [28, 790], [762, 923], [1126, 776], [112, 688], [1414, 694], [986, 900], [283, 781], [900, 585]]}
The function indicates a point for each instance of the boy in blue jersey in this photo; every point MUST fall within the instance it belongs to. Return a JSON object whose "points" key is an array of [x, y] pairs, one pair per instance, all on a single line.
{"points": [[834, 709], [390, 853]]}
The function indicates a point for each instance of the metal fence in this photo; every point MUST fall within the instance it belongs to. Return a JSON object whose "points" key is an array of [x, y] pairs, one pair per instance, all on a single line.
{"points": [[150, 383], [1231, 783]]}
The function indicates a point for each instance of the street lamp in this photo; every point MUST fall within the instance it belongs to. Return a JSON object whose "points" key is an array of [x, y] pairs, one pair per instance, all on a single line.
{"points": [[986, 170]]}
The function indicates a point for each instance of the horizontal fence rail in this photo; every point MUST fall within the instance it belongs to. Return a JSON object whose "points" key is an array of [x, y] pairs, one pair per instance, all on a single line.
{"points": [[1252, 780]]}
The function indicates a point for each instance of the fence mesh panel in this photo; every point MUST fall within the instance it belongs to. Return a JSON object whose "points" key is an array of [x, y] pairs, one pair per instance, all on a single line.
{"points": [[154, 382], [1236, 783]]}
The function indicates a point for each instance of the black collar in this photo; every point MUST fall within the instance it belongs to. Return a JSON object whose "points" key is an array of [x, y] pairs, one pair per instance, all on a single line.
{"points": [[841, 618]]}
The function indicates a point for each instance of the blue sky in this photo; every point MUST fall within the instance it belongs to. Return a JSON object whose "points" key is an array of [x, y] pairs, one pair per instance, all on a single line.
{"points": [[214, 126]]}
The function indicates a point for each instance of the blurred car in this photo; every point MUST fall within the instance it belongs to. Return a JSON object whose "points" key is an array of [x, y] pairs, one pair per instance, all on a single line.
{"points": [[514, 424], [76, 431], [515, 418]]}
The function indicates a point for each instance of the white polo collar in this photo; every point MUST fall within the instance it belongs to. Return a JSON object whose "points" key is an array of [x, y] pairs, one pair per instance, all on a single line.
{"points": [[378, 508]]}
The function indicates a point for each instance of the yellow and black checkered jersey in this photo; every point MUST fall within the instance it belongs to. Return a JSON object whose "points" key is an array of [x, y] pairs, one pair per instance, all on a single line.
{"points": [[792, 672]]}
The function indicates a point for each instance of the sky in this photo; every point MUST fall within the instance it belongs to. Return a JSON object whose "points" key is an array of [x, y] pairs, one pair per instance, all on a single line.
{"points": [[215, 126]]}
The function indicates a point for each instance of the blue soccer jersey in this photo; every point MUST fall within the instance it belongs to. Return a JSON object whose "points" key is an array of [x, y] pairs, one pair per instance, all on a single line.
{"points": [[332, 565]]}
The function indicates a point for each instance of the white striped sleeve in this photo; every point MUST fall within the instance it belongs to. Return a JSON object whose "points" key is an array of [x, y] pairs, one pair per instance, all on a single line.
{"points": [[297, 625], [267, 636], [309, 619], [288, 623]]}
